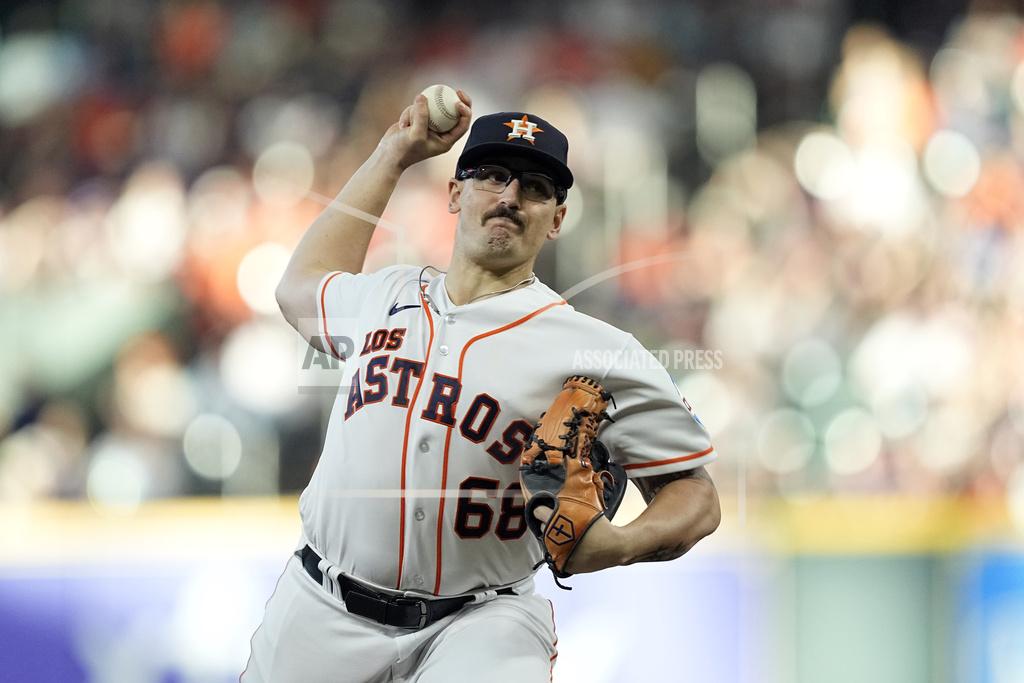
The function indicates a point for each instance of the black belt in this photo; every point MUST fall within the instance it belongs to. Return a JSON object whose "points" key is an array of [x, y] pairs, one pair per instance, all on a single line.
{"points": [[414, 613]]}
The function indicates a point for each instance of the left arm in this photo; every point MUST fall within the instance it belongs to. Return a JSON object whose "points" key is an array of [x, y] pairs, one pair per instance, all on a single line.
{"points": [[682, 508]]}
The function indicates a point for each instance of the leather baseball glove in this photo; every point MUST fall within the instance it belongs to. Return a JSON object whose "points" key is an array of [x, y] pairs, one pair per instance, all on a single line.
{"points": [[567, 469]]}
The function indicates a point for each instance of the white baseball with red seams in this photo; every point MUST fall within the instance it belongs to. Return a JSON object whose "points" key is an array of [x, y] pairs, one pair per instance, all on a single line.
{"points": [[417, 485], [442, 114]]}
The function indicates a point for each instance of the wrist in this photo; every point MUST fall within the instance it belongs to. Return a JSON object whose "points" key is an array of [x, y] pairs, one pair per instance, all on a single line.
{"points": [[615, 546], [626, 544], [383, 161]]}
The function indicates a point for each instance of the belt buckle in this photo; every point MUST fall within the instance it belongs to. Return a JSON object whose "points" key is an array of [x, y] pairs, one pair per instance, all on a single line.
{"points": [[414, 602]]}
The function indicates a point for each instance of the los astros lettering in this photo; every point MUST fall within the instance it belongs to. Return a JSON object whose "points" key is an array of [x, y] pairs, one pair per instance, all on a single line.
{"points": [[390, 340], [475, 425]]}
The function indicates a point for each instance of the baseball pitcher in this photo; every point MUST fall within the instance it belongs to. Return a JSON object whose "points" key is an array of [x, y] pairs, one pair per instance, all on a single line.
{"points": [[466, 449]]}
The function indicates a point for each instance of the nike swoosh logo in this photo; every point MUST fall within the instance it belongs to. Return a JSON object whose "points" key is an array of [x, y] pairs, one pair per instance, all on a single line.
{"points": [[396, 308]]}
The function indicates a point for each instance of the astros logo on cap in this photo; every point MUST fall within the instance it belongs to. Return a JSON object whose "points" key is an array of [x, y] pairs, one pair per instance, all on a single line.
{"points": [[521, 128]]}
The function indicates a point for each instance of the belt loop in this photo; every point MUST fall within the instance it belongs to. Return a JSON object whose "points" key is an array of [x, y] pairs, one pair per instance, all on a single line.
{"points": [[486, 596], [334, 572], [326, 580]]}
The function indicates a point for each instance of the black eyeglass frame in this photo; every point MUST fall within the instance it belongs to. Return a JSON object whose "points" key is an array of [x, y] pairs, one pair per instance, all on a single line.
{"points": [[468, 173]]}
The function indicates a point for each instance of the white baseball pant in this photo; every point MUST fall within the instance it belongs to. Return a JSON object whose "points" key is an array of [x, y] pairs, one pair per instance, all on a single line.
{"points": [[308, 636]]}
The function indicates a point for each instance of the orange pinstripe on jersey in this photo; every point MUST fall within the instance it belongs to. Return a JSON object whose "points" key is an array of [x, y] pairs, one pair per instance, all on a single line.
{"points": [[323, 316], [405, 440], [669, 461], [448, 435], [554, 645]]}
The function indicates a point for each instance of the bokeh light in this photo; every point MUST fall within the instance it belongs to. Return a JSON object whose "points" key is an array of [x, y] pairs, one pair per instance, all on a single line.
{"points": [[726, 111], [958, 76], [23, 241], [36, 70], [258, 275], [25, 470], [218, 206], [885, 194], [947, 441], [901, 411], [270, 347], [212, 446], [283, 174], [852, 442], [117, 480], [901, 351], [157, 398], [785, 441], [146, 227], [824, 165], [951, 163], [811, 372]]}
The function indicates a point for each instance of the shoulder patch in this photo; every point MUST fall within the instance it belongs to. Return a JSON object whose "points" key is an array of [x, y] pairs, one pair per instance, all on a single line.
{"points": [[692, 412]]}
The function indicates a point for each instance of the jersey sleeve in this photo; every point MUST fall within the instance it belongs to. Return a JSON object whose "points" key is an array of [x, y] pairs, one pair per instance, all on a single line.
{"points": [[342, 299], [655, 430]]}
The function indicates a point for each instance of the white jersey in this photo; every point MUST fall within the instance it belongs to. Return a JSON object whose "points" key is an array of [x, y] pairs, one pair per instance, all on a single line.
{"points": [[417, 487]]}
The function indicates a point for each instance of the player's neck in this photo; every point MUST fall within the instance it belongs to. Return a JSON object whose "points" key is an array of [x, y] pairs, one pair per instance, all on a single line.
{"points": [[467, 281]]}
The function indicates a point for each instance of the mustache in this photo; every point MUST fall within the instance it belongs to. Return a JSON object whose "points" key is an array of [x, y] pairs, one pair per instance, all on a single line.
{"points": [[502, 211]]}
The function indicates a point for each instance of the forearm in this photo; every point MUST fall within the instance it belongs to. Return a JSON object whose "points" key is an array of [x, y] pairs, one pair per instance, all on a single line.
{"points": [[682, 508], [679, 515], [340, 236]]}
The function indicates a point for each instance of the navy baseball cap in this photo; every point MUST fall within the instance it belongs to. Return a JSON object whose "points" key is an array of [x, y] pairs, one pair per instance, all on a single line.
{"points": [[518, 134]]}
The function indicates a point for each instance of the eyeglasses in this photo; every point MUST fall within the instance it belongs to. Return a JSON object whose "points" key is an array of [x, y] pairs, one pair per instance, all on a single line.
{"points": [[536, 187]]}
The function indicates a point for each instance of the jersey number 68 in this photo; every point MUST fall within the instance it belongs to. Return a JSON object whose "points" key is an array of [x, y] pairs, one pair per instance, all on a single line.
{"points": [[473, 518]]}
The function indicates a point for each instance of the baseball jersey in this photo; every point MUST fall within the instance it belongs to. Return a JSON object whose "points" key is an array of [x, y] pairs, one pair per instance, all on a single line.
{"points": [[417, 486]]}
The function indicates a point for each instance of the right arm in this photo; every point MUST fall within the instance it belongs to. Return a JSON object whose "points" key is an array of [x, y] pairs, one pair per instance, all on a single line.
{"points": [[338, 240]]}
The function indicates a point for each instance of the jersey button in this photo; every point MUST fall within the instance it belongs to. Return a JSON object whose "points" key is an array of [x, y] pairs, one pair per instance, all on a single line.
{"points": [[450, 319], [424, 446], [419, 514], [418, 580], [444, 349]]}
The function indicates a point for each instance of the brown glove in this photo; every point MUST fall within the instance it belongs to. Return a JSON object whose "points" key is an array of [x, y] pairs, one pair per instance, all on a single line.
{"points": [[565, 468]]}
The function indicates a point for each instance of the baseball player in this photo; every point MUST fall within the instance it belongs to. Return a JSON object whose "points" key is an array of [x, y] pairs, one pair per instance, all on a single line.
{"points": [[416, 560]]}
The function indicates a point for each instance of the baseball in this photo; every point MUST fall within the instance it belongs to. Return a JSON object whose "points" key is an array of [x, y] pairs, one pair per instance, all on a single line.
{"points": [[441, 101]]}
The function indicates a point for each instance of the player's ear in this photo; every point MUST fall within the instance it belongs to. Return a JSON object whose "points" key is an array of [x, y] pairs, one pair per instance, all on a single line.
{"points": [[454, 195], [556, 225]]}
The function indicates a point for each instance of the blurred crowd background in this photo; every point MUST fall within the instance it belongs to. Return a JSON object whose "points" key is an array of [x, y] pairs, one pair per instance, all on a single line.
{"points": [[829, 193], [826, 195]]}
